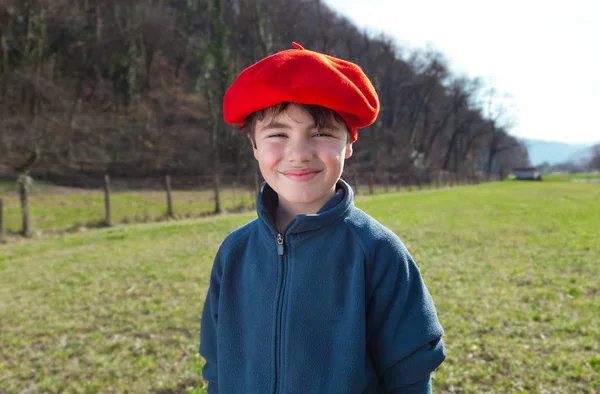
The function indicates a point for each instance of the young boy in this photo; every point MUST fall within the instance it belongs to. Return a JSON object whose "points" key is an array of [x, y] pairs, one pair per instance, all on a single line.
{"points": [[313, 296]]}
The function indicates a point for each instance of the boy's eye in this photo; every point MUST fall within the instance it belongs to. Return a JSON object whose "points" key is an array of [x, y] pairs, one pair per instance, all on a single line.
{"points": [[322, 134], [275, 135]]}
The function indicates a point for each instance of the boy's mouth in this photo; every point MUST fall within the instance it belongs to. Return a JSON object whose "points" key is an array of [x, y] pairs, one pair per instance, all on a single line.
{"points": [[301, 175]]}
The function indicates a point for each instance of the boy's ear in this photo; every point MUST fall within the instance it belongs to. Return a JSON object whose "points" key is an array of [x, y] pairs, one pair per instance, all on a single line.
{"points": [[252, 143], [348, 152], [254, 149]]}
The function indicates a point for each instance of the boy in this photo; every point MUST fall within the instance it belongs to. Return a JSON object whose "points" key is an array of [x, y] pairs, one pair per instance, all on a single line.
{"points": [[313, 296]]}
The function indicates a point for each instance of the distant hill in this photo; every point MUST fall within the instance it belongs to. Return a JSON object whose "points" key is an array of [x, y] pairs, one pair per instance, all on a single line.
{"points": [[555, 152]]}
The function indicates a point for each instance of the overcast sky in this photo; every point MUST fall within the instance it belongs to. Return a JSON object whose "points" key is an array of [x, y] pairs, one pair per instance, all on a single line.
{"points": [[544, 55]]}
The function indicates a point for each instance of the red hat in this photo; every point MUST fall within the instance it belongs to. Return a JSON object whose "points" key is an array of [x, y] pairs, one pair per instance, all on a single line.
{"points": [[303, 77]]}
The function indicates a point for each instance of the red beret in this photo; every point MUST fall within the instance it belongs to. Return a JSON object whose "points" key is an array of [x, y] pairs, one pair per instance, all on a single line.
{"points": [[303, 77]]}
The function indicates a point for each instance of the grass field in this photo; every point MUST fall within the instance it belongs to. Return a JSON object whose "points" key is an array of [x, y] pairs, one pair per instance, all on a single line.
{"points": [[514, 269], [58, 209], [579, 177], [55, 208]]}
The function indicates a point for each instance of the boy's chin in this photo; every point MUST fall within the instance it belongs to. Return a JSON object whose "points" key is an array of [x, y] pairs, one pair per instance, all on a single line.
{"points": [[309, 198]]}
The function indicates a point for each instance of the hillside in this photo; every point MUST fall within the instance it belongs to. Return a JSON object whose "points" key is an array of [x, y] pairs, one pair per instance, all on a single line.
{"points": [[135, 89], [555, 152]]}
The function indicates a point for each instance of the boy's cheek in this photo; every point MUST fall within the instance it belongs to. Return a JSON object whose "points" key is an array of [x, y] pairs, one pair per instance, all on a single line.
{"points": [[334, 154], [268, 155]]}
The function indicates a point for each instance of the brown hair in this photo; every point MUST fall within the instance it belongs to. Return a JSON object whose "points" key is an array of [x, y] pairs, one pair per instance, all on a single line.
{"points": [[322, 117]]}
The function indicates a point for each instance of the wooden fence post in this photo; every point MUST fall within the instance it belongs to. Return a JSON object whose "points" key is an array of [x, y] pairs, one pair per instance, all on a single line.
{"points": [[169, 197], [256, 184], [398, 182], [217, 186], [233, 185], [355, 183], [410, 182], [107, 212], [1, 220], [255, 192], [371, 182], [387, 182], [24, 183]]}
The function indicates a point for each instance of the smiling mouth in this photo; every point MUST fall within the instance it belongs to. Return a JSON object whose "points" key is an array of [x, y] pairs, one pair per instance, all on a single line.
{"points": [[301, 175]]}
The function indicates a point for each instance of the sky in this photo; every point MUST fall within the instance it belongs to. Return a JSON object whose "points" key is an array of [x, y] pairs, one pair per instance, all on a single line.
{"points": [[541, 57]]}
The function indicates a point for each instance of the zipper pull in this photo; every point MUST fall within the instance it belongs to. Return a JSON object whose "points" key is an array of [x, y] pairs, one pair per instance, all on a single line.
{"points": [[280, 244]]}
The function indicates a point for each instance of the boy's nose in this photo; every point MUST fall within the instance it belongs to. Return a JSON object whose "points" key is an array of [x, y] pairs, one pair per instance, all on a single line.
{"points": [[299, 151]]}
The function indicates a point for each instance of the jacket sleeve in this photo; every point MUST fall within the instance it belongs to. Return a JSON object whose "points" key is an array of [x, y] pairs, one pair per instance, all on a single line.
{"points": [[209, 327], [403, 331]]}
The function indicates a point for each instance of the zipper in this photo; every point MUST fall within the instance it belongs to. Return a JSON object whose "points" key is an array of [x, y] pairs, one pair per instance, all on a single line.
{"points": [[279, 244], [279, 319]]}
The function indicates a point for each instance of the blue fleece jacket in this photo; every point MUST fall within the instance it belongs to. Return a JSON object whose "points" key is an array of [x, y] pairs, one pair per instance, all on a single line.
{"points": [[332, 304]]}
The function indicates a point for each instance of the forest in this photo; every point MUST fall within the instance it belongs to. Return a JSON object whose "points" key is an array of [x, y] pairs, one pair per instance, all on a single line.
{"points": [[135, 88]]}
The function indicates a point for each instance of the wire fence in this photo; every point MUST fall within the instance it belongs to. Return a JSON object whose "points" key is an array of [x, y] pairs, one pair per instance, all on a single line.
{"points": [[79, 203]]}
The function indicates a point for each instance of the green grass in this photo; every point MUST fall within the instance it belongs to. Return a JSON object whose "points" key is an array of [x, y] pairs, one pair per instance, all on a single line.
{"points": [[513, 269], [58, 208], [54, 208], [577, 177]]}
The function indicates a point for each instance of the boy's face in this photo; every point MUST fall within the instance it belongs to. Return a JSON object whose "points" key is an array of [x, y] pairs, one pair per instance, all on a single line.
{"points": [[300, 162]]}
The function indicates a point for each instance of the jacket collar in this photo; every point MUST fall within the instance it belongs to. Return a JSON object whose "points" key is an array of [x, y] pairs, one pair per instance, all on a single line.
{"points": [[267, 200]]}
